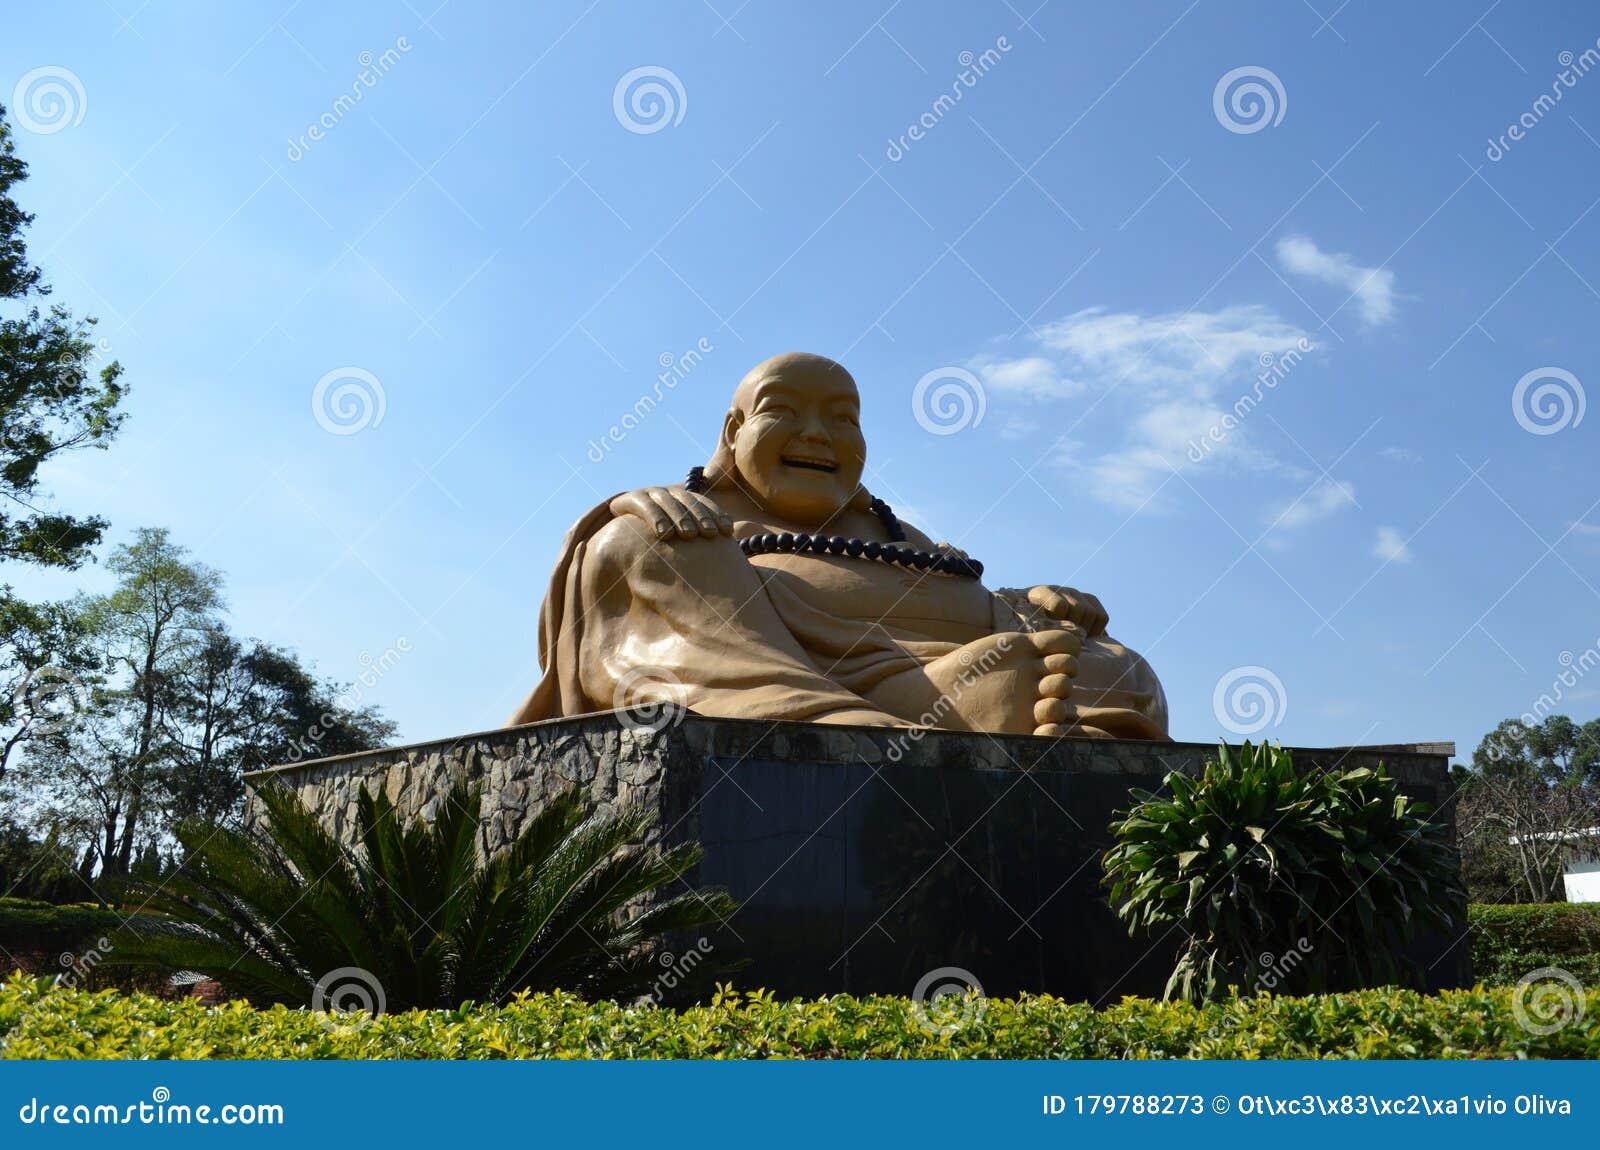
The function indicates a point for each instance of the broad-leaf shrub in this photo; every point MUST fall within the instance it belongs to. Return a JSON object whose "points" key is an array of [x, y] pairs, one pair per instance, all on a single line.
{"points": [[1271, 878]]}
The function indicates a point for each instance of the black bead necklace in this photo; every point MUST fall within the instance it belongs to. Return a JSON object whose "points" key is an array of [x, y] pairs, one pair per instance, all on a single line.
{"points": [[800, 542]]}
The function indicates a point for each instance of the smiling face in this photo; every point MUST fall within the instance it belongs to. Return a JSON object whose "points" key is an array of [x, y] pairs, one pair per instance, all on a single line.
{"points": [[795, 434]]}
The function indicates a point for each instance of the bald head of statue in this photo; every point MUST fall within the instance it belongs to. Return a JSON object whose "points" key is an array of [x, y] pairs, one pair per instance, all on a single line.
{"points": [[792, 441]]}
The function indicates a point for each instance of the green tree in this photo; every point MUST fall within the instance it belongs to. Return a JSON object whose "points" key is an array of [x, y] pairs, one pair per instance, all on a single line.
{"points": [[53, 399], [175, 711], [1531, 793], [233, 706], [157, 618], [1556, 749], [47, 664]]}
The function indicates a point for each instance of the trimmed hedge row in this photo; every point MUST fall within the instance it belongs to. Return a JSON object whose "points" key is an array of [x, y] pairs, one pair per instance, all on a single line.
{"points": [[29, 927], [38, 1020], [1509, 941]]}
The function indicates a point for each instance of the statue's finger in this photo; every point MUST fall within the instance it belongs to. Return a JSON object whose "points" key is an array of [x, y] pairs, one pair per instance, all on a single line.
{"points": [[713, 521], [1060, 665], [1065, 640], [1050, 599], [1055, 687], [640, 506], [1052, 730], [1052, 711], [688, 527]]}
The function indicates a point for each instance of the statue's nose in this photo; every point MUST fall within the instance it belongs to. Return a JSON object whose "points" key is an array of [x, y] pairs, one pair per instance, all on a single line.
{"points": [[814, 432]]}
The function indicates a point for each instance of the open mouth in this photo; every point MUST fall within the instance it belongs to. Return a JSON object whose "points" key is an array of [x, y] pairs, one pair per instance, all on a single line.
{"points": [[826, 466]]}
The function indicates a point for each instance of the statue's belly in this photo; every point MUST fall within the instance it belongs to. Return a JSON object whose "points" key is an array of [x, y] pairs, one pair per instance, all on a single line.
{"points": [[913, 604]]}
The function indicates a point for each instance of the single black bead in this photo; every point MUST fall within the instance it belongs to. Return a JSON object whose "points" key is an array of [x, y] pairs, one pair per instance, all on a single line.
{"points": [[819, 544], [835, 544], [854, 547], [786, 542], [872, 549], [769, 543], [802, 541], [748, 546], [923, 560]]}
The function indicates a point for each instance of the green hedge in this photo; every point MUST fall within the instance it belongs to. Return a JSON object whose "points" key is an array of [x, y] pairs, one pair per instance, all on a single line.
{"points": [[1510, 941], [28, 927], [41, 1021]]}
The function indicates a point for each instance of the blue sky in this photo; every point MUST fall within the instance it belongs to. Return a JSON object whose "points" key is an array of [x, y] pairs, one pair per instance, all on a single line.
{"points": [[1113, 233]]}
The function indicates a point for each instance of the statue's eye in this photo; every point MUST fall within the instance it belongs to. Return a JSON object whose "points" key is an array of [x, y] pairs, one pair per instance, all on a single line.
{"points": [[848, 417], [777, 409]]}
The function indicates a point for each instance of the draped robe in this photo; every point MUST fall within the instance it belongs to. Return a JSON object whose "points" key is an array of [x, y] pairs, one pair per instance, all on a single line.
{"points": [[630, 619]]}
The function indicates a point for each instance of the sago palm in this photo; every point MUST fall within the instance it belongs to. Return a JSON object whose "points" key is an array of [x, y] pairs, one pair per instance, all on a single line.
{"points": [[413, 913]]}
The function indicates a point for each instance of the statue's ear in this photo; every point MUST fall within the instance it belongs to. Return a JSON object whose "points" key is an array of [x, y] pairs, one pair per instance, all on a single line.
{"points": [[720, 470]]}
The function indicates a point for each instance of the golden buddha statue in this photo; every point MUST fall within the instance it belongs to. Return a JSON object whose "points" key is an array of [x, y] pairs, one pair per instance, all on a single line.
{"points": [[771, 585]]}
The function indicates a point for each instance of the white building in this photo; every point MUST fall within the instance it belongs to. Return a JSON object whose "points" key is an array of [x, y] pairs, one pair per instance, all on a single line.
{"points": [[1581, 871]]}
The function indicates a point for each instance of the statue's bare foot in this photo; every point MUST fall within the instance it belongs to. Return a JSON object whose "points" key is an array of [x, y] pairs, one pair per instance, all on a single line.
{"points": [[999, 683]]}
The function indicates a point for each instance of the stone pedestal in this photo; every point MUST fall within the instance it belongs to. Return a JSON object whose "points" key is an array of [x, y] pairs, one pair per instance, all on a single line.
{"points": [[864, 858]]}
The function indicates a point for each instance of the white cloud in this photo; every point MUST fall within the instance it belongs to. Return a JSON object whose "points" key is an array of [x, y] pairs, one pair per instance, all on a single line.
{"points": [[1185, 370], [1032, 375], [1324, 498], [1184, 350], [1581, 528], [1372, 288], [1391, 547], [1400, 455]]}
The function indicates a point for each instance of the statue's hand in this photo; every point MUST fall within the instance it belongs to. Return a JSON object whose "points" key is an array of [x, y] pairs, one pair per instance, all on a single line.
{"points": [[674, 511], [1071, 605]]}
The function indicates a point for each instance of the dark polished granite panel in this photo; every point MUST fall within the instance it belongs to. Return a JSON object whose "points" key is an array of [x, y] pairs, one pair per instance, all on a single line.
{"points": [[859, 878]]}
